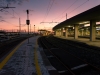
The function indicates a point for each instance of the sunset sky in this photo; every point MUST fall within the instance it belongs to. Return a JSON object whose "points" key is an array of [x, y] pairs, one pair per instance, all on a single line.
{"points": [[41, 11]]}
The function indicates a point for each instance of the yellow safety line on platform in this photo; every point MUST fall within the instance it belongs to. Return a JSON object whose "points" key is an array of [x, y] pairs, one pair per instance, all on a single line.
{"points": [[9, 55], [36, 61]]}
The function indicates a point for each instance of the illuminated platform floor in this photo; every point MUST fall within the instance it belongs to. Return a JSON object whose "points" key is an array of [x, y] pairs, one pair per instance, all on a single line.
{"points": [[84, 40]]}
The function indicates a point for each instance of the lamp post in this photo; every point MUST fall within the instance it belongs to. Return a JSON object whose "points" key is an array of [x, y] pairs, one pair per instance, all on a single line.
{"points": [[34, 30]]}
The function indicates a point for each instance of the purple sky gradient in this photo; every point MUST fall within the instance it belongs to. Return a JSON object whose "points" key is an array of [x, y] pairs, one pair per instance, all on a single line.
{"points": [[43, 11]]}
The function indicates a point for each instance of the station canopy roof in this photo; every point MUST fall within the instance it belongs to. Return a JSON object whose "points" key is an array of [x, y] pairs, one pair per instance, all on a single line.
{"points": [[84, 17]]}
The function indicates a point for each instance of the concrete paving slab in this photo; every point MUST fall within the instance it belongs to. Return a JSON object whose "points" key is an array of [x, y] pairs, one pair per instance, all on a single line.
{"points": [[22, 61], [84, 40]]}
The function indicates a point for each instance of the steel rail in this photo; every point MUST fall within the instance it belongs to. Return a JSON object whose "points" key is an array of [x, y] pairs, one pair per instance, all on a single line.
{"points": [[77, 57], [58, 58]]}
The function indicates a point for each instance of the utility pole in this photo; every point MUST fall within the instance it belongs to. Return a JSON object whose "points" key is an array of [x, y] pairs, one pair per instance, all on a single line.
{"points": [[6, 7], [19, 27], [30, 28], [28, 22], [66, 16], [34, 30]]}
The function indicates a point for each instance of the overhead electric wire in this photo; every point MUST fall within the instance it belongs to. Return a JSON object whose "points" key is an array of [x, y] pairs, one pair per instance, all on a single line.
{"points": [[48, 9], [74, 9], [10, 13], [67, 8], [78, 6], [15, 12], [6, 22]]}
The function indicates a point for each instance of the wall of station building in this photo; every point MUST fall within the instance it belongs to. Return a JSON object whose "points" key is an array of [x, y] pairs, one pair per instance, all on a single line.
{"points": [[81, 32]]}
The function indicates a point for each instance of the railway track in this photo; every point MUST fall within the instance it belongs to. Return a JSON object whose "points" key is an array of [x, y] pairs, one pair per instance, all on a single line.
{"points": [[7, 46], [89, 53], [65, 62]]}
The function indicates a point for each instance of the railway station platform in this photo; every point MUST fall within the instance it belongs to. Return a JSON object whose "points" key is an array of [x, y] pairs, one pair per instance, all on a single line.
{"points": [[84, 40], [26, 59]]}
